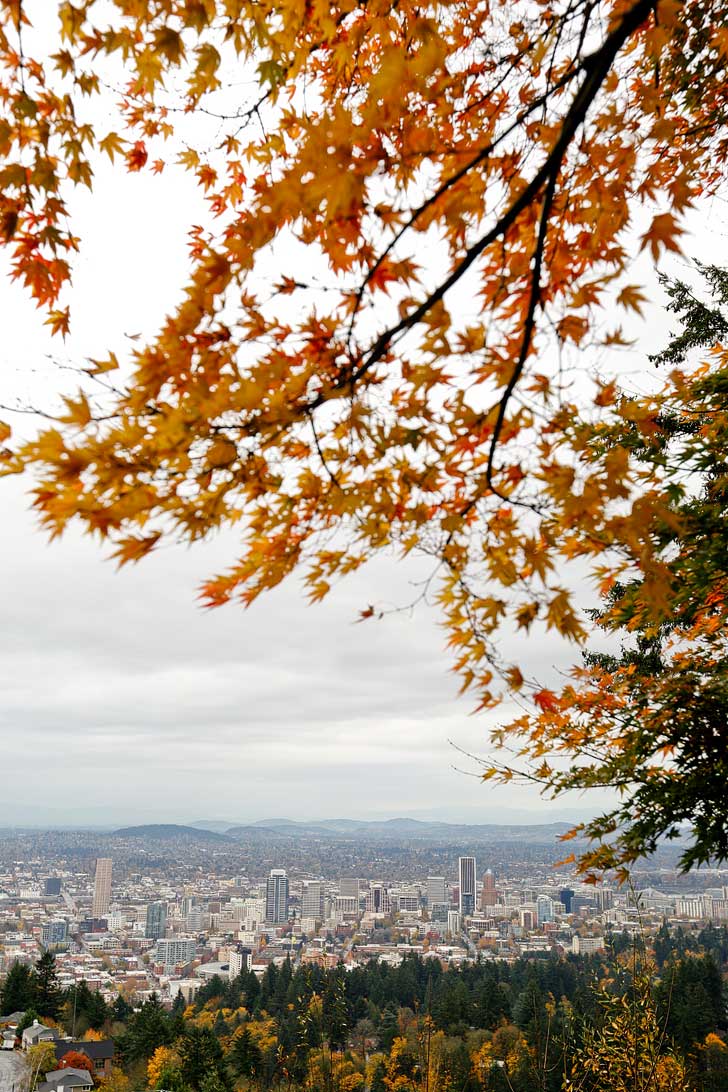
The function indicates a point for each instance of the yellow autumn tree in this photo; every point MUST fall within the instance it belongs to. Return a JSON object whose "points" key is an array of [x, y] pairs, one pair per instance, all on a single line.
{"points": [[505, 1060], [116, 1081], [332, 1071], [164, 1057], [627, 1051], [39, 1060]]}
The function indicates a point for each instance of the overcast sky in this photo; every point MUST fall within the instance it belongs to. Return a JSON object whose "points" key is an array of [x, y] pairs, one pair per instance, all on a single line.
{"points": [[122, 701]]}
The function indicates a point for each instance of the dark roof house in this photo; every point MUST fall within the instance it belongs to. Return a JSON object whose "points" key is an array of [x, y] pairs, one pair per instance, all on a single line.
{"points": [[100, 1052]]}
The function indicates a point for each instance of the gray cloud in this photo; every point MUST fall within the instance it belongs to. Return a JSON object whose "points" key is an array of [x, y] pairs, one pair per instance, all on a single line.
{"points": [[121, 678]]}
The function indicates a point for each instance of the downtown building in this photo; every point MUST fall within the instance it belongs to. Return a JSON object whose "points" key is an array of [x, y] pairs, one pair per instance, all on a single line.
{"points": [[276, 897], [378, 900], [156, 924], [102, 888], [312, 900], [436, 891], [488, 893], [175, 951], [466, 883]]}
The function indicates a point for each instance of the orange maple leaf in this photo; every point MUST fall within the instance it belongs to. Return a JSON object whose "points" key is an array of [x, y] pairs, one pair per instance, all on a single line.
{"points": [[137, 156], [662, 235], [546, 700]]}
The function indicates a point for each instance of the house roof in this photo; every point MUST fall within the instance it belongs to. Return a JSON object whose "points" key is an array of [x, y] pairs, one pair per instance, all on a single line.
{"points": [[69, 1071], [36, 1029], [97, 1050], [66, 1079]]}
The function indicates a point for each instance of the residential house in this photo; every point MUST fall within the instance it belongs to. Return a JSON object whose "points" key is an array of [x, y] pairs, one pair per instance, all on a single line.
{"points": [[100, 1053], [67, 1080], [37, 1033]]}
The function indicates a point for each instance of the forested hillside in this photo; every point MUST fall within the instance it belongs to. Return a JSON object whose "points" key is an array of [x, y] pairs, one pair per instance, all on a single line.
{"points": [[490, 1026]]}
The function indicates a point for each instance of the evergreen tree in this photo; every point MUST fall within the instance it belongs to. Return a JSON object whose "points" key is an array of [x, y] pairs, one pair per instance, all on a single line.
{"points": [[48, 993], [388, 1027], [121, 1009], [213, 1082], [215, 988], [177, 1017], [18, 991], [147, 1030], [201, 1056], [244, 1056], [335, 1014]]}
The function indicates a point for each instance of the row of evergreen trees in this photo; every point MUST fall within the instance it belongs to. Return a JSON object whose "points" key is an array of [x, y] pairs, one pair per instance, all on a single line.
{"points": [[35, 991], [265, 1032], [297, 1021]]}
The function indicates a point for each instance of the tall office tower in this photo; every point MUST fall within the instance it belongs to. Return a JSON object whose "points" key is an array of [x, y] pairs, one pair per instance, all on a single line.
{"points": [[312, 900], [349, 888], [488, 893], [605, 898], [545, 909], [466, 880], [454, 922], [102, 888], [156, 925], [276, 897], [378, 900], [566, 895], [435, 891]]}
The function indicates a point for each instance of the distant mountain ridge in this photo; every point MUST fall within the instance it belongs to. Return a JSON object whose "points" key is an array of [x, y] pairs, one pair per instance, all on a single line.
{"points": [[170, 830], [388, 830]]}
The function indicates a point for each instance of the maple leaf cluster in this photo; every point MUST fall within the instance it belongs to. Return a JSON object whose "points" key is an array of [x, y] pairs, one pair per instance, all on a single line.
{"points": [[462, 178]]}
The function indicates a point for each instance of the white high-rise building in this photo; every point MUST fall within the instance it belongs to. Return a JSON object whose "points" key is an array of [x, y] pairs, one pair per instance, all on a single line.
{"points": [[312, 900], [175, 950], [466, 879], [586, 945], [240, 959], [276, 897], [349, 888], [102, 888], [435, 891]]}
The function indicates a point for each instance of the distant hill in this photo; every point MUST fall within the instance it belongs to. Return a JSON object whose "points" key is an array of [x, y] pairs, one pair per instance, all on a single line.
{"points": [[254, 832], [400, 830], [170, 830], [217, 825]]}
